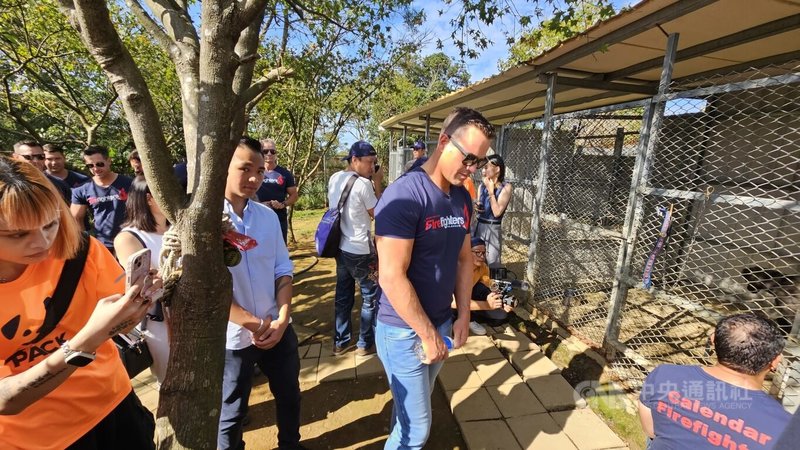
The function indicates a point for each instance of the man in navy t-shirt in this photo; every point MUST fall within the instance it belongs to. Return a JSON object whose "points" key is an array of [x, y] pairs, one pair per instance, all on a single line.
{"points": [[278, 190], [422, 228], [56, 166], [105, 196], [721, 406], [33, 152]]}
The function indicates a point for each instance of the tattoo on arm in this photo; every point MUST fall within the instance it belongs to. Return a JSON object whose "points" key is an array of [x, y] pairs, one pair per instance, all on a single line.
{"points": [[122, 326], [42, 380]]}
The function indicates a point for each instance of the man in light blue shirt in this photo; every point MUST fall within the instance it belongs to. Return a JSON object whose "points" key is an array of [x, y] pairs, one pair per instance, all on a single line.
{"points": [[259, 331]]}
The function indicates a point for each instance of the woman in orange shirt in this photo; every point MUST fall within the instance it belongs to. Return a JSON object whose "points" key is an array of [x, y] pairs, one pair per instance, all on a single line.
{"points": [[62, 385]]}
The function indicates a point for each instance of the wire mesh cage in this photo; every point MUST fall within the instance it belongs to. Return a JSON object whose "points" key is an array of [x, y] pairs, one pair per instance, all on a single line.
{"points": [[643, 240]]}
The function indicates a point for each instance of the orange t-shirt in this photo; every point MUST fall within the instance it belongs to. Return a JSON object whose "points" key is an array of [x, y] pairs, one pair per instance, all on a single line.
{"points": [[470, 186], [72, 409], [481, 273]]}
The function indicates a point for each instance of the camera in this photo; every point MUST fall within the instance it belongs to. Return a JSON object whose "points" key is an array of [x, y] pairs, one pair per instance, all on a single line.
{"points": [[503, 286]]}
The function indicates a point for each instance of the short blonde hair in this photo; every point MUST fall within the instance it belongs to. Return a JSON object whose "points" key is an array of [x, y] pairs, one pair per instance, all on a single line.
{"points": [[29, 200]]}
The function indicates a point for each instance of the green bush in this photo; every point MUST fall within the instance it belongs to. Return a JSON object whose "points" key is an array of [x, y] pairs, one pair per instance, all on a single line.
{"points": [[313, 195]]}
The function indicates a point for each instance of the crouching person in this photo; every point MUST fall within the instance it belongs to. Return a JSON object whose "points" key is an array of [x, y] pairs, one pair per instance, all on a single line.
{"points": [[722, 405]]}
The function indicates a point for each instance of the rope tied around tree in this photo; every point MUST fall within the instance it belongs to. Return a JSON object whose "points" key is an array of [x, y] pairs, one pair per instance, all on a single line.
{"points": [[170, 263]]}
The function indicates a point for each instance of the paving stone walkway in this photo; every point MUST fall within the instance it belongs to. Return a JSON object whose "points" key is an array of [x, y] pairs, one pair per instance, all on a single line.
{"points": [[510, 399]]}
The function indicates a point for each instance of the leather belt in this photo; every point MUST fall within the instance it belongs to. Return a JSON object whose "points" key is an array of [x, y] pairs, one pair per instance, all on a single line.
{"points": [[489, 221]]}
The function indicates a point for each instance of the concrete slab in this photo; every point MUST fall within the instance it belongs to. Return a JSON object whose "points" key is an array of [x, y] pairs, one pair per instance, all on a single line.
{"points": [[457, 354], [489, 434], [149, 398], [332, 368], [493, 372], [367, 366], [484, 354], [576, 423], [555, 393], [514, 400], [473, 404], [314, 351], [517, 342], [459, 375], [539, 432], [533, 364], [480, 347], [303, 333], [308, 370]]}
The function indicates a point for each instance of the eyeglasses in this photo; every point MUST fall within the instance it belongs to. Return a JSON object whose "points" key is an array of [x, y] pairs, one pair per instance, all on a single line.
{"points": [[480, 253], [270, 151], [99, 165], [469, 159], [32, 157]]}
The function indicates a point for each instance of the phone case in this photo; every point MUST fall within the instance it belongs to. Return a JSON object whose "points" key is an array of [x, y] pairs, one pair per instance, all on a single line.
{"points": [[137, 267]]}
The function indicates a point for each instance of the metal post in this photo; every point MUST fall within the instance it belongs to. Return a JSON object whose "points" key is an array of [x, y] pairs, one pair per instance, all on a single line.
{"points": [[544, 157], [427, 128], [653, 116]]}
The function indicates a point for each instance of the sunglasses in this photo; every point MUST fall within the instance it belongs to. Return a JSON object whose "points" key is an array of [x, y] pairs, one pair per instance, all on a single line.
{"points": [[479, 252], [99, 165], [270, 151], [32, 157], [469, 159]]}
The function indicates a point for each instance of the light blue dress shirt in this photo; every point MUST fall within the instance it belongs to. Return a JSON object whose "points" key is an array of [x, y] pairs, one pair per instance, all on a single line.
{"points": [[254, 277]]}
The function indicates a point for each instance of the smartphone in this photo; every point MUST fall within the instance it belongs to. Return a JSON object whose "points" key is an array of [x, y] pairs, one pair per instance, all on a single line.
{"points": [[137, 268]]}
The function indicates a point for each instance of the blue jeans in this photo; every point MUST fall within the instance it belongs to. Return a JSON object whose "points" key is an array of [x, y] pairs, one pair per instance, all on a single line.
{"points": [[281, 365], [411, 383], [349, 269]]}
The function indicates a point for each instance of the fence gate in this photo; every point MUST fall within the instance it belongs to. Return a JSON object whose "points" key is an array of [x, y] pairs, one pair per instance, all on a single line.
{"points": [[724, 162]]}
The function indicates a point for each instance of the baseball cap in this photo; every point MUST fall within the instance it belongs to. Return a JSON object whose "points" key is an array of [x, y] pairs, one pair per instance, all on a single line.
{"points": [[476, 241], [359, 149], [419, 145]]}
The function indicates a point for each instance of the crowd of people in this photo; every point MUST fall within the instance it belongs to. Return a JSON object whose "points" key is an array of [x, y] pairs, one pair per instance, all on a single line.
{"points": [[422, 273]]}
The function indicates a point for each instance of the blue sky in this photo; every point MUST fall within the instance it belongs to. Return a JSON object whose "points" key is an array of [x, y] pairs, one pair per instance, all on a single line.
{"points": [[486, 65]]}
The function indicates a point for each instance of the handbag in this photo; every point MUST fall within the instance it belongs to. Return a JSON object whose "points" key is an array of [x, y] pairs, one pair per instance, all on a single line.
{"points": [[329, 231], [133, 352]]}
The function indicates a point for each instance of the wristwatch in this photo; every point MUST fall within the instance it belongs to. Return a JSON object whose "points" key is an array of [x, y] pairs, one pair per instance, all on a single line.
{"points": [[76, 358]]}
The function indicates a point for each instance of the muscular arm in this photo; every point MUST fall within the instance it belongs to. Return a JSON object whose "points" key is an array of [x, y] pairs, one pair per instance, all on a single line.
{"points": [[395, 256], [292, 196], [463, 292], [79, 213], [646, 418], [499, 204]]}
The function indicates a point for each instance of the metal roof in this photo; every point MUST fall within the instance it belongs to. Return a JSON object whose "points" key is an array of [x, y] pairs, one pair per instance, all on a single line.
{"points": [[620, 59]]}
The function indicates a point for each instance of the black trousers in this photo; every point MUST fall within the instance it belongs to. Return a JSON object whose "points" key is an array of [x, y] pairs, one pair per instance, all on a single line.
{"points": [[128, 427]]}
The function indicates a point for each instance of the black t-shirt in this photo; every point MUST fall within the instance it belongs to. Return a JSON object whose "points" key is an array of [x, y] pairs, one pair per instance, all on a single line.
{"points": [[274, 187]]}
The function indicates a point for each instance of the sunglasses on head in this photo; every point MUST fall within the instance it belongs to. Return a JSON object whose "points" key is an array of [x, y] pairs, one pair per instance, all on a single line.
{"points": [[270, 151], [32, 157], [469, 159], [99, 165]]}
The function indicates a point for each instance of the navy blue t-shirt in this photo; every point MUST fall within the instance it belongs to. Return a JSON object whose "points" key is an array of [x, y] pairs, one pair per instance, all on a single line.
{"points": [[414, 208], [107, 206], [693, 410], [274, 187], [61, 185]]}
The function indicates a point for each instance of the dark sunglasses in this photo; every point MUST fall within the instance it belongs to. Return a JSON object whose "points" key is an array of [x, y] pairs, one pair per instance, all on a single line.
{"points": [[271, 151], [32, 157], [469, 159], [99, 165]]}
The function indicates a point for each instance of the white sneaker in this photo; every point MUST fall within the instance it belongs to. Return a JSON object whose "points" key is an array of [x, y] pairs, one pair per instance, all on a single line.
{"points": [[477, 328]]}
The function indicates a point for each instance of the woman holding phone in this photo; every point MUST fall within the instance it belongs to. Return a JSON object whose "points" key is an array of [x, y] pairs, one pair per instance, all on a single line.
{"points": [[493, 198], [144, 227], [62, 384]]}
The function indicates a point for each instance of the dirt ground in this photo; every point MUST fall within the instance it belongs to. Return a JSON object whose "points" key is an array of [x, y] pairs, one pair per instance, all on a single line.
{"points": [[350, 414]]}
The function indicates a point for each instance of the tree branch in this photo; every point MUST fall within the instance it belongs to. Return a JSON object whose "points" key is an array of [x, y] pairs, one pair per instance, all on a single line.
{"points": [[104, 44], [262, 84], [253, 10], [176, 22], [156, 32], [16, 115]]}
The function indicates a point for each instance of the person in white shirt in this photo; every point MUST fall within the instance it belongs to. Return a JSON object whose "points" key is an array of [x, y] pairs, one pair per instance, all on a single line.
{"points": [[259, 329], [357, 259]]}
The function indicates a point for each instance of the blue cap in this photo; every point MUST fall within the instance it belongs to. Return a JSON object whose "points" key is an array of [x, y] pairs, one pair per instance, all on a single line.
{"points": [[419, 145], [359, 149], [476, 241]]}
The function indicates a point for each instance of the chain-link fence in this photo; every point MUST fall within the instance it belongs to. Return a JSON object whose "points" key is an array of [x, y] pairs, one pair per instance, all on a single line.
{"points": [[650, 229]]}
